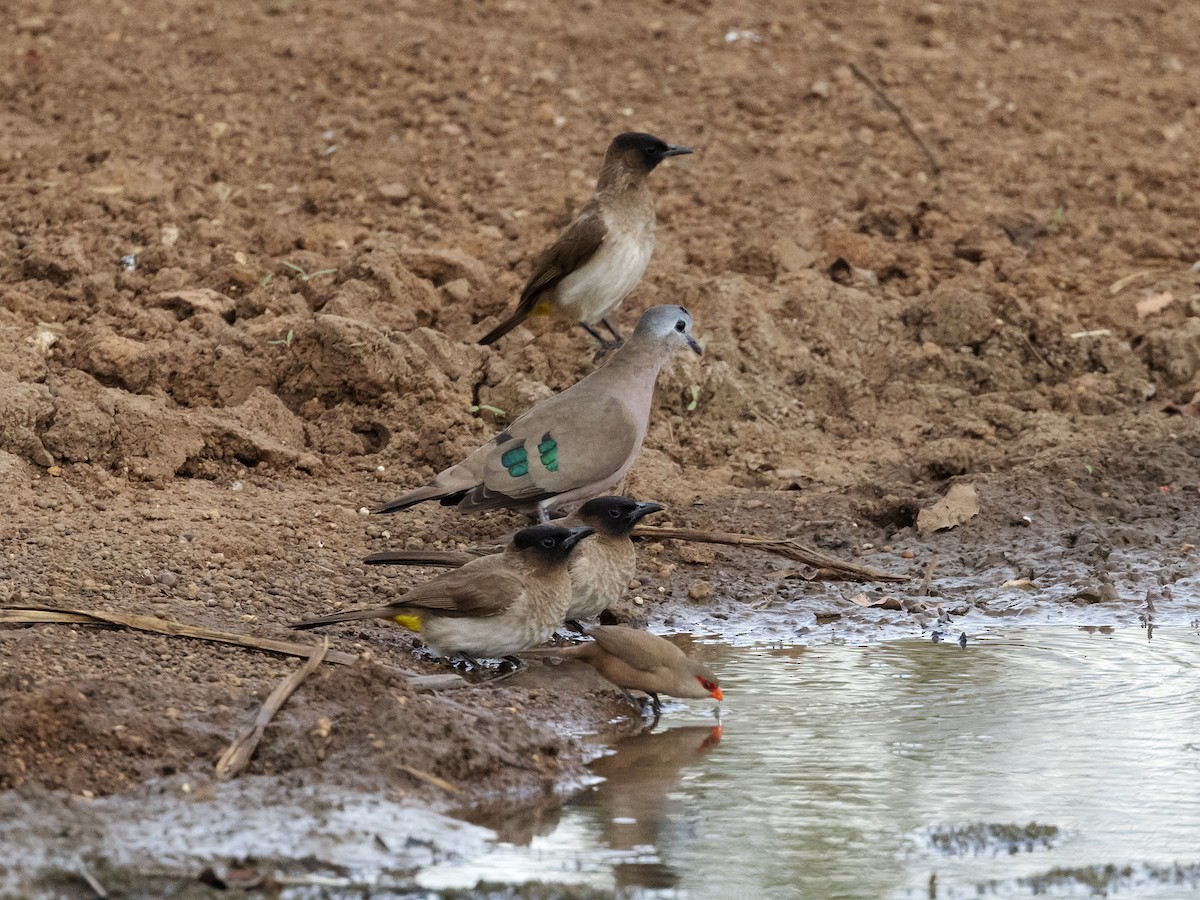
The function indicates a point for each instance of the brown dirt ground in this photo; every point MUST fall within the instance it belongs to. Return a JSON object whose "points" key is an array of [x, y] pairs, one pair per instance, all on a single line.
{"points": [[327, 202]]}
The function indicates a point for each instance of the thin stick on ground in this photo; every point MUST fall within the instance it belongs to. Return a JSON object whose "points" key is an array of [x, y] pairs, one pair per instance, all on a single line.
{"points": [[933, 561], [237, 756], [905, 121], [430, 779], [91, 880], [45, 615], [826, 565]]}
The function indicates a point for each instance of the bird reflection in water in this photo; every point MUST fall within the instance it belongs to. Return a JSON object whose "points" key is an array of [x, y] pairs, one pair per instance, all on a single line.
{"points": [[634, 807]]}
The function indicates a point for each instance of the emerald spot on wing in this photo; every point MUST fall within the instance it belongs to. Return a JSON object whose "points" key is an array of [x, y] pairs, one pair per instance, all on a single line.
{"points": [[548, 451], [516, 460]]}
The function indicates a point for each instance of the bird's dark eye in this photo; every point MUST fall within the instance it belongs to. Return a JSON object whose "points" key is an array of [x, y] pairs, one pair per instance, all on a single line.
{"points": [[681, 326], [614, 513], [548, 543], [707, 685]]}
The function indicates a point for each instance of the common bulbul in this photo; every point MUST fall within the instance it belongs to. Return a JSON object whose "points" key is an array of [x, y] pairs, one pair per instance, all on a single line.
{"points": [[601, 568], [584, 275], [493, 606]]}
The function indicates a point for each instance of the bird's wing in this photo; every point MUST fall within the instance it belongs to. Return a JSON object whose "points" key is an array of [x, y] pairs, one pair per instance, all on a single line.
{"points": [[639, 649], [572, 250], [562, 444], [483, 587]]}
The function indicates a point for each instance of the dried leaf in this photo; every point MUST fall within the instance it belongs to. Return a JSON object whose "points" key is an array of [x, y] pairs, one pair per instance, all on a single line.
{"points": [[960, 504], [1155, 303], [1023, 583], [885, 602]]}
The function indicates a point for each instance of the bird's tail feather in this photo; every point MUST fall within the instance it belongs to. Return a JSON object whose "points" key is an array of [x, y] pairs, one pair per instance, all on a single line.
{"points": [[450, 559], [519, 316], [415, 496], [378, 612]]}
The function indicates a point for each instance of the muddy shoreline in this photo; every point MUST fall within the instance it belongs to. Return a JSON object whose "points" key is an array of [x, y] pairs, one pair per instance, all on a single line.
{"points": [[147, 706]]}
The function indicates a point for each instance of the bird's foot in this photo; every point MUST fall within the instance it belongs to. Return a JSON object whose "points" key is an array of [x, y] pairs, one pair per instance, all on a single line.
{"points": [[516, 663], [617, 338], [464, 662], [509, 667], [606, 347]]}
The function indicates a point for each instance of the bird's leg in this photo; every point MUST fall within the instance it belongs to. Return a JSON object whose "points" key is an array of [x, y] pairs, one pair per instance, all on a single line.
{"points": [[656, 717], [606, 346], [657, 704], [574, 625], [632, 699], [613, 331], [518, 664], [605, 343], [465, 659]]}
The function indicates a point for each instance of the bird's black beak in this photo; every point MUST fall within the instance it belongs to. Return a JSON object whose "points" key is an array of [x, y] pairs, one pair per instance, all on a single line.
{"points": [[695, 346], [644, 509], [673, 150], [577, 535]]}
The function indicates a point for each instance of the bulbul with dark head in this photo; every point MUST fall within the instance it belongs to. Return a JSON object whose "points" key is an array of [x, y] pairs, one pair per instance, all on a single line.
{"points": [[639, 661], [584, 275], [601, 568], [493, 606], [575, 445]]}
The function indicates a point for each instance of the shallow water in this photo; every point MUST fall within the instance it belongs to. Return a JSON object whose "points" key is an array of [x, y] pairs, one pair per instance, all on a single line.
{"points": [[900, 769]]}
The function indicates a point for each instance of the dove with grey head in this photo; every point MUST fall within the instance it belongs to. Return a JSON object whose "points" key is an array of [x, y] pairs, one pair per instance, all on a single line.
{"points": [[575, 445]]}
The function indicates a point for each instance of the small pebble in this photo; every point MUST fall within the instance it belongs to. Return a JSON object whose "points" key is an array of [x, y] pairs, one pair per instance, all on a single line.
{"points": [[167, 578], [700, 591]]}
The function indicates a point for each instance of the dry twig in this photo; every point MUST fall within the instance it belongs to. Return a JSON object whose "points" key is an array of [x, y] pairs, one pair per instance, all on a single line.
{"points": [[933, 561], [39, 615], [91, 880], [42, 615], [832, 566], [431, 779], [237, 756], [905, 121]]}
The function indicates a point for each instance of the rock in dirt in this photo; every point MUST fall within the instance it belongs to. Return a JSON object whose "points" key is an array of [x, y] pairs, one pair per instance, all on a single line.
{"points": [[25, 409], [960, 504], [195, 301], [442, 266]]}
